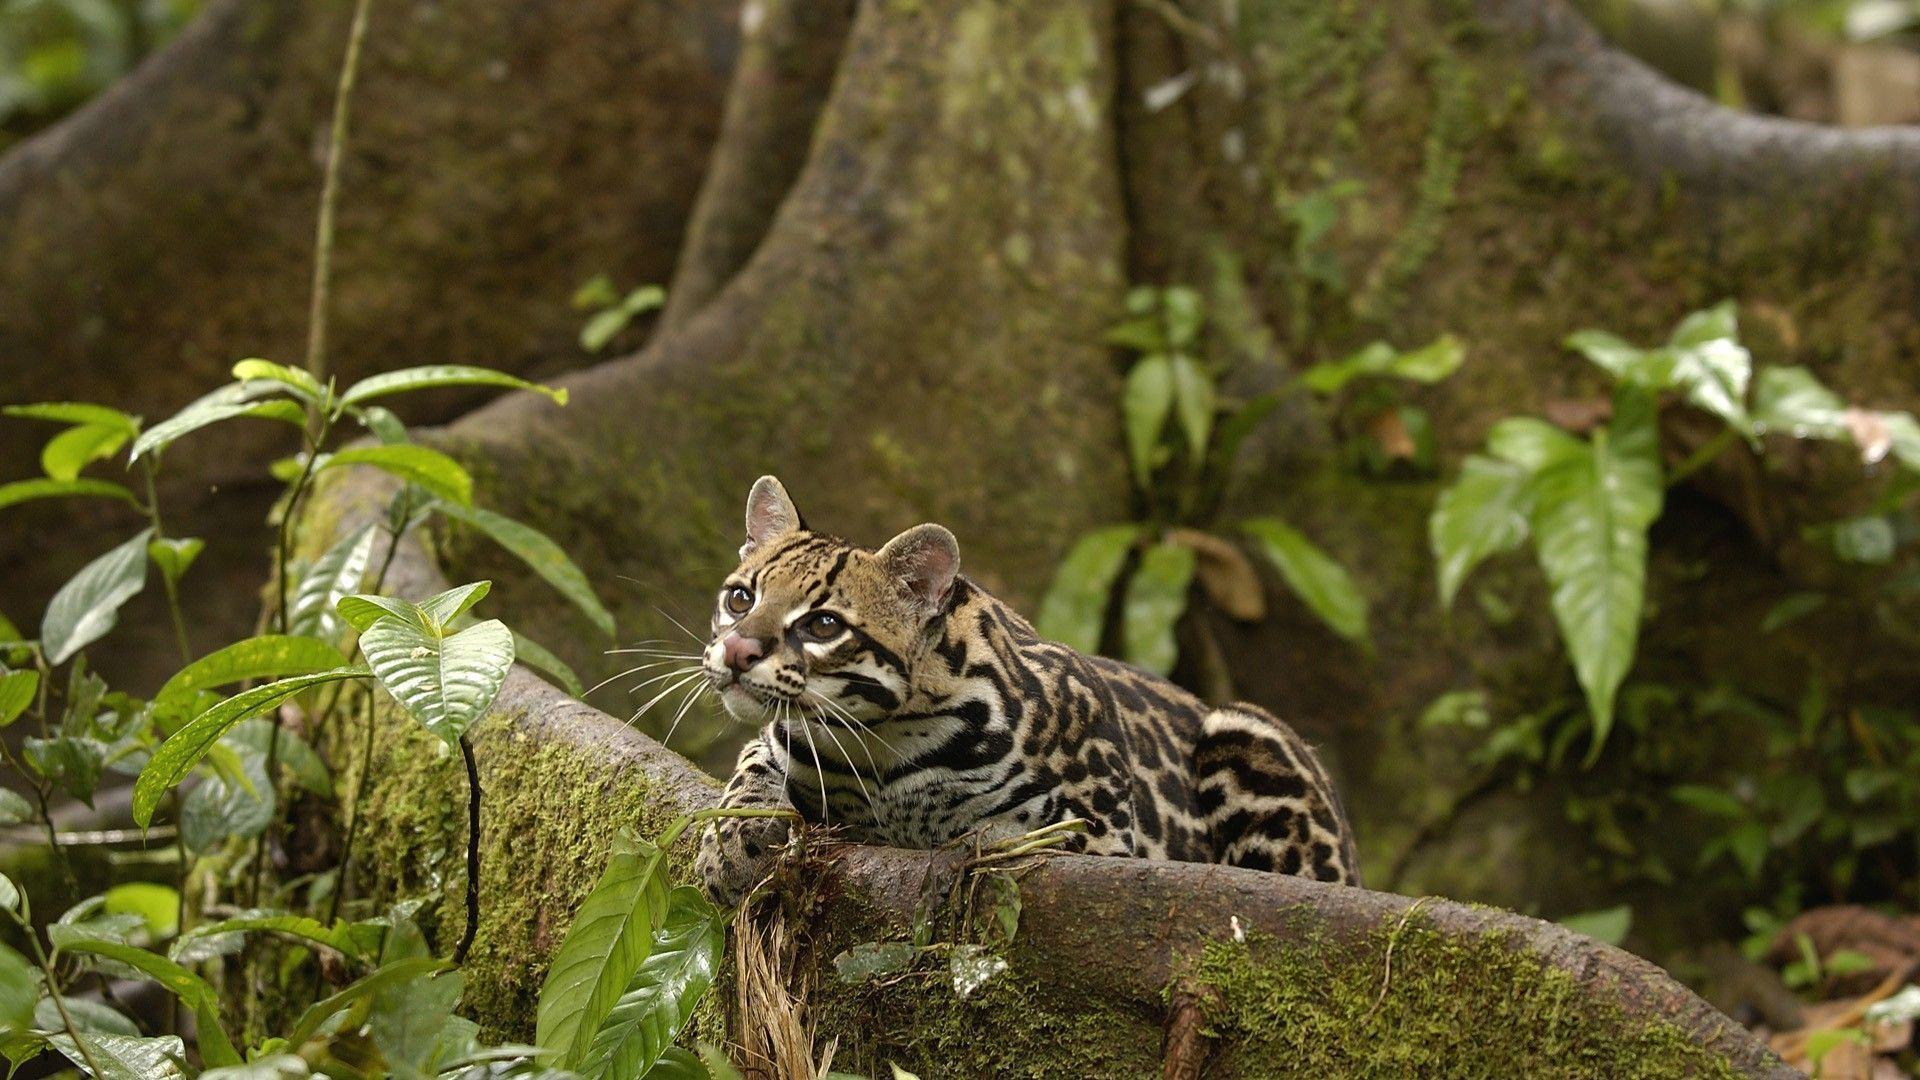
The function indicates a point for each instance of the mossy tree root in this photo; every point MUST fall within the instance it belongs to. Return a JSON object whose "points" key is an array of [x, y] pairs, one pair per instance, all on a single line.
{"points": [[1294, 977]]}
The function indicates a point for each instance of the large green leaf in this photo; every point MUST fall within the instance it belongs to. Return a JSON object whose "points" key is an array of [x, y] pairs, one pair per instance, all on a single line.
{"points": [[1314, 576], [1529, 443], [1147, 400], [19, 990], [1156, 598], [660, 998], [77, 447], [16, 693], [269, 656], [1792, 401], [447, 682], [391, 974], [174, 555], [533, 547], [1703, 359], [88, 1015], [421, 465], [184, 748], [228, 402], [14, 808], [610, 938], [362, 610], [71, 761], [1711, 366], [408, 1017], [1590, 520], [124, 1058], [433, 375], [75, 412], [339, 937], [298, 380], [191, 989], [309, 769], [335, 574], [219, 808], [1430, 363], [1483, 514], [1075, 607], [86, 607], [1619, 358], [26, 490], [1194, 402]]}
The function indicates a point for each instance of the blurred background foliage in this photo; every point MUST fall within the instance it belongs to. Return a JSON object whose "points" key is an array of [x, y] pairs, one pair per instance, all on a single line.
{"points": [[55, 54]]}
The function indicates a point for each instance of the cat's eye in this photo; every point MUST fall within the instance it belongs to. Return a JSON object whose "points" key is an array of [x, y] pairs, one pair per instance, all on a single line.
{"points": [[738, 599], [821, 626]]}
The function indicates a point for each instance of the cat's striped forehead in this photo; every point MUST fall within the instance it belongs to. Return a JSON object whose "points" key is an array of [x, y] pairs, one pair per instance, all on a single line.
{"points": [[805, 568]]}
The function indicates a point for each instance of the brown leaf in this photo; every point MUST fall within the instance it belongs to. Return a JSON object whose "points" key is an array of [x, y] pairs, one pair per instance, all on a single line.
{"points": [[1225, 572], [1869, 431], [1390, 434], [1579, 415]]}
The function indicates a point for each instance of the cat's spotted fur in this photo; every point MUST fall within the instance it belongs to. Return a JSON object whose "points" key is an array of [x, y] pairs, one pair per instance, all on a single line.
{"points": [[902, 702]]}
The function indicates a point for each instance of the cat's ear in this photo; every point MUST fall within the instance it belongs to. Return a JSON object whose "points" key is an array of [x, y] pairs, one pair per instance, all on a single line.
{"points": [[770, 514], [925, 559]]}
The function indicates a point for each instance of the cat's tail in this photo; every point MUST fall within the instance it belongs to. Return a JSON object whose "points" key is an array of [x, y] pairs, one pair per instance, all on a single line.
{"points": [[1268, 801]]}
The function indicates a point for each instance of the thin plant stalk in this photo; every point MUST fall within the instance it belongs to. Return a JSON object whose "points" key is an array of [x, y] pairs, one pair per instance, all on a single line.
{"points": [[330, 195], [53, 991], [473, 852], [166, 580]]}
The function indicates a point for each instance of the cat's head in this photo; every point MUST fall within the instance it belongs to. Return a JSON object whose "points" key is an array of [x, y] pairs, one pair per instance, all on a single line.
{"points": [[812, 626]]}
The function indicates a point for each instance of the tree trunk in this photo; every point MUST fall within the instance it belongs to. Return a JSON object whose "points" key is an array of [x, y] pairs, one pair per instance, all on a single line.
{"points": [[904, 322]]}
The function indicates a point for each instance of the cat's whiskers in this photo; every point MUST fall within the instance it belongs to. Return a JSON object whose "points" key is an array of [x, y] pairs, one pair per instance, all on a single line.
{"points": [[819, 769], [858, 731], [683, 626], [693, 695], [671, 687], [624, 674], [852, 766]]}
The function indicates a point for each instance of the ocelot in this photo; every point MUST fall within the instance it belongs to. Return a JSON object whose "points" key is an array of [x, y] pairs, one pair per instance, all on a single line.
{"points": [[901, 702]]}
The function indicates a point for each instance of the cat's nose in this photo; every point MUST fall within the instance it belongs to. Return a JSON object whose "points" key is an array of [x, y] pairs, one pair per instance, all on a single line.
{"points": [[741, 652]]}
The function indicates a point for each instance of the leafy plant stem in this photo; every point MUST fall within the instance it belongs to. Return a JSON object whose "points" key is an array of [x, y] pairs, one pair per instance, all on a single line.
{"points": [[53, 990], [330, 197], [166, 580], [283, 553], [1704, 456], [473, 852]]}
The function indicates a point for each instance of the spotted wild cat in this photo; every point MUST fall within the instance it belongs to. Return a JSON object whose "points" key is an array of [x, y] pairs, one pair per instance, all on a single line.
{"points": [[898, 700]]}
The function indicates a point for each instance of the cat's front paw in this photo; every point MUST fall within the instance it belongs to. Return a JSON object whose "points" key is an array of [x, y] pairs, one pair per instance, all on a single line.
{"points": [[738, 853]]}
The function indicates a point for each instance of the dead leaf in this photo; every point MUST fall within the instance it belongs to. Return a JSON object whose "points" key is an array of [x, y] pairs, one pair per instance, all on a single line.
{"points": [[1869, 431], [1227, 575], [1389, 432], [1579, 415]]}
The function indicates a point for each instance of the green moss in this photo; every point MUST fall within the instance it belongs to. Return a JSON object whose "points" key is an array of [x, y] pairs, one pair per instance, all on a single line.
{"points": [[549, 813], [1452, 1006]]}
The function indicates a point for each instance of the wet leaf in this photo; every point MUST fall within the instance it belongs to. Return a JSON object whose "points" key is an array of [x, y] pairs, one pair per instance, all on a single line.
{"points": [[1075, 608], [88, 605], [1320, 582], [1156, 598]]}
